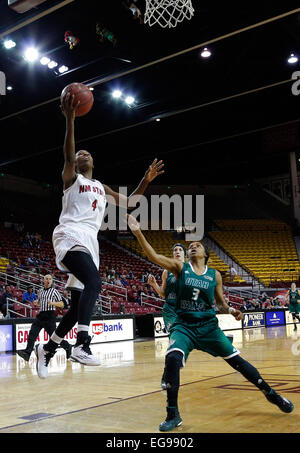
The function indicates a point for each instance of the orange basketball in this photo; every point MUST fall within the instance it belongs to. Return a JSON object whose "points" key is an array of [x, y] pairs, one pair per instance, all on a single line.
{"points": [[81, 93]]}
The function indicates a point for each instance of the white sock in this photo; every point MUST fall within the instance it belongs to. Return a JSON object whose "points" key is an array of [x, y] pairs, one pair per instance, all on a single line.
{"points": [[56, 338], [82, 328]]}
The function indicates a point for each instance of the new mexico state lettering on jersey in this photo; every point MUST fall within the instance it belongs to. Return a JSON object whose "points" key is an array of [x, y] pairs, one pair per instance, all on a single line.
{"points": [[170, 291], [195, 293]]}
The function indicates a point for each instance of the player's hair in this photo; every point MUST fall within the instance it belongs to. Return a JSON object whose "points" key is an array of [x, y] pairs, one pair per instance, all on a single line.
{"points": [[180, 245], [207, 253]]}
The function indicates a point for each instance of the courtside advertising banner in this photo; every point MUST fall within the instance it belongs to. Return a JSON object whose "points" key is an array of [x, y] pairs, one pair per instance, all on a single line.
{"points": [[22, 332], [6, 338], [159, 327], [275, 318], [253, 320], [228, 322], [101, 331], [111, 330]]}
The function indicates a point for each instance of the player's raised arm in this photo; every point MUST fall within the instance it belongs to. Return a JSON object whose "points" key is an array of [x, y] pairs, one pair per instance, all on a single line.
{"points": [[160, 290], [68, 108], [221, 302], [170, 264], [154, 170]]}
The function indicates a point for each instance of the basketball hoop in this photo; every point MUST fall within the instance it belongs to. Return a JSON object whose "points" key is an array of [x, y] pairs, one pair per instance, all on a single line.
{"points": [[167, 13]]}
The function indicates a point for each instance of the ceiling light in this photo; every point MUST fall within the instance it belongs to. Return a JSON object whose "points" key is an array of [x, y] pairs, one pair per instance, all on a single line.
{"points": [[52, 64], [129, 100], [292, 59], [44, 60], [116, 94], [63, 69], [205, 53], [9, 88], [9, 44], [31, 54], [91, 88], [157, 119]]}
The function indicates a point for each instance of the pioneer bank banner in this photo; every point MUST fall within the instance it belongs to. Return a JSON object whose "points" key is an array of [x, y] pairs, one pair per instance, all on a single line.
{"points": [[101, 331], [253, 320]]}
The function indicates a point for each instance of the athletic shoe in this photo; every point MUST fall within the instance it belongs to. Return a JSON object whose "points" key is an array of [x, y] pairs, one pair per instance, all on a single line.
{"points": [[43, 359], [173, 419], [81, 353], [283, 404], [24, 354]]}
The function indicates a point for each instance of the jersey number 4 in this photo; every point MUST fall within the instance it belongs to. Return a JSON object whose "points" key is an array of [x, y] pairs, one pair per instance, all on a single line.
{"points": [[94, 204]]}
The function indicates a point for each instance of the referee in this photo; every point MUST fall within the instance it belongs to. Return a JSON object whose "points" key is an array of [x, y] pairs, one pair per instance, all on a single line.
{"points": [[48, 300]]}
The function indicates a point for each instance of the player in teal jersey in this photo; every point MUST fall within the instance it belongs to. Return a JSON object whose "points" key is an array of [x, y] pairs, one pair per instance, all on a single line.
{"points": [[167, 291], [196, 325], [293, 301]]}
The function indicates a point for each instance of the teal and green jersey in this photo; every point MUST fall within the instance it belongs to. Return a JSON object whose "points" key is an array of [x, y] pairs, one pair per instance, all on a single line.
{"points": [[170, 290], [293, 296], [195, 294]]}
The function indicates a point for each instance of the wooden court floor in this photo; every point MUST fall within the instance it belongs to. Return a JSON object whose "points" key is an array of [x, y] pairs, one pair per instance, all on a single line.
{"points": [[123, 395]]}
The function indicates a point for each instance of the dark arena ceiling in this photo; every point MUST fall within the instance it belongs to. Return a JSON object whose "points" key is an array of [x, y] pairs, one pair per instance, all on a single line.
{"points": [[230, 117]]}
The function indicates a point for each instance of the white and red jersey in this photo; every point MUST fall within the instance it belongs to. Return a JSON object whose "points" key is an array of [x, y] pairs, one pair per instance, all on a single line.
{"points": [[83, 205], [83, 208]]}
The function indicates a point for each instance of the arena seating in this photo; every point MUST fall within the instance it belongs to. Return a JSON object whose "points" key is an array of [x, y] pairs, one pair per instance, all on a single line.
{"points": [[264, 247], [111, 256]]}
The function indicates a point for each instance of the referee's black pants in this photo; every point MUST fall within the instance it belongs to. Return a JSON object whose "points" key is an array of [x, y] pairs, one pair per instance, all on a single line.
{"points": [[44, 320]]}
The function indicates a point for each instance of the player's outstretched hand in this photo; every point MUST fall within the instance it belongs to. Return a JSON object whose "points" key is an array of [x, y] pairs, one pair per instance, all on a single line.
{"points": [[238, 315], [133, 224], [151, 280], [68, 106], [154, 170]]}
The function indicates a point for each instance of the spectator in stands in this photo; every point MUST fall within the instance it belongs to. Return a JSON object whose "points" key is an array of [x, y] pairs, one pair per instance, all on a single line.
{"points": [[111, 273], [144, 278], [277, 303], [133, 295], [232, 273], [244, 306], [124, 282], [18, 262], [117, 282], [130, 275], [66, 299], [267, 304], [29, 296], [32, 260], [3, 300]]}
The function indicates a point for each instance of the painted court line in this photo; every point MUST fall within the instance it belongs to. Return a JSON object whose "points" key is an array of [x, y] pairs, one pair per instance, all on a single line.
{"points": [[111, 402]]}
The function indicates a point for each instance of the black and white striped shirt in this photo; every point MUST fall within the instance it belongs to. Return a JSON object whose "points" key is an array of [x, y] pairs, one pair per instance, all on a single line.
{"points": [[45, 295]]}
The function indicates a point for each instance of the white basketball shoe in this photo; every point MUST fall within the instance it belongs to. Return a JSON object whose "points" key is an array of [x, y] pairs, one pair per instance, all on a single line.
{"points": [[81, 353]]}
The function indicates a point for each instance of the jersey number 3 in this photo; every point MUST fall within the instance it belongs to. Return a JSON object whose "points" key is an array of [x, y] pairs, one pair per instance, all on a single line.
{"points": [[94, 204], [195, 294]]}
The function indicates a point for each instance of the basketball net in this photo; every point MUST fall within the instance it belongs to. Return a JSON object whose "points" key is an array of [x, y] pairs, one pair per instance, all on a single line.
{"points": [[167, 13]]}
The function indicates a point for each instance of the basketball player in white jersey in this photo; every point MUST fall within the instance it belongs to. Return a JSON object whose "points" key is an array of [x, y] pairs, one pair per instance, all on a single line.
{"points": [[75, 241]]}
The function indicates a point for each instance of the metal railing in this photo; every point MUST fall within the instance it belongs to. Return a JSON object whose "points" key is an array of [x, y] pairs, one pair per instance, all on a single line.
{"points": [[115, 292], [151, 297], [9, 310], [23, 283], [105, 304]]}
